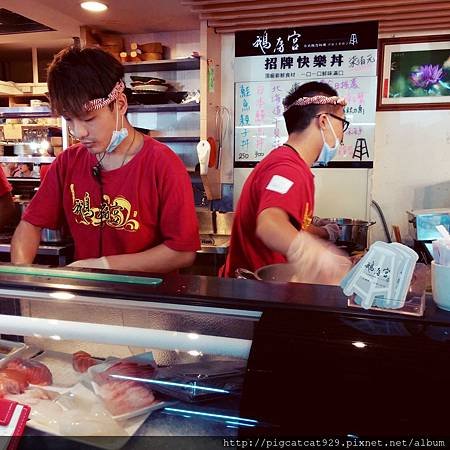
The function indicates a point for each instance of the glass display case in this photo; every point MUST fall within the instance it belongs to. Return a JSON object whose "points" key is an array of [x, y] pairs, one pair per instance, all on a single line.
{"points": [[196, 356], [180, 355]]}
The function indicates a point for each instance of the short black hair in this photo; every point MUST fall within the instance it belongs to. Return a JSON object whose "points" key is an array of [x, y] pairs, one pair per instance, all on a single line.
{"points": [[298, 118], [77, 75]]}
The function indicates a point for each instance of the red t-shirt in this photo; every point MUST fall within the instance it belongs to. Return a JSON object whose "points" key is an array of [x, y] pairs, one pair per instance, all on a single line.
{"points": [[5, 187], [147, 202], [281, 180]]}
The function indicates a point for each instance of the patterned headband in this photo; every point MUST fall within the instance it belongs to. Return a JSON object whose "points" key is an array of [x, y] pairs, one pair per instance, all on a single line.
{"points": [[99, 103], [317, 100]]}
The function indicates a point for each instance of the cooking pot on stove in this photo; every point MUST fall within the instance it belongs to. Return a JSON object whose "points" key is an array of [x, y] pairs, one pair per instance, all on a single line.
{"points": [[353, 232]]}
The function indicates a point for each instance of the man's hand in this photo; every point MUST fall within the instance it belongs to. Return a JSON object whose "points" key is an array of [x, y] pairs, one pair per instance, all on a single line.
{"points": [[333, 231], [332, 228], [91, 263], [316, 261]]}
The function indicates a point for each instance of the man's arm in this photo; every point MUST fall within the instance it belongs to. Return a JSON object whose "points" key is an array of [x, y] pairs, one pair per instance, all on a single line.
{"points": [[25, 243], [275, 230], [318, 231], [7, 210], [160, 259], [315, 260]]}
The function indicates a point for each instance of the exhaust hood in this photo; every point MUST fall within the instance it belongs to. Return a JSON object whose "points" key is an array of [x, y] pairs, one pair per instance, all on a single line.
{"points": [[12, 23]]}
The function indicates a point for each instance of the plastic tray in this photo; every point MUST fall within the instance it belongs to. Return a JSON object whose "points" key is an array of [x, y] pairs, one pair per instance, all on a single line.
{"points": [[414, 306], [10, 350]]}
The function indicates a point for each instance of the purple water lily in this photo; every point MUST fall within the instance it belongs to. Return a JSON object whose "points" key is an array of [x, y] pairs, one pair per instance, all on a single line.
{"points": [[426, 76]]}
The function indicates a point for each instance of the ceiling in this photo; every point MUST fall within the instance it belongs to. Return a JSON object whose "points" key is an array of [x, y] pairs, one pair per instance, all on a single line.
{"points": [[394, 16], [142, 16], [122, 16]]}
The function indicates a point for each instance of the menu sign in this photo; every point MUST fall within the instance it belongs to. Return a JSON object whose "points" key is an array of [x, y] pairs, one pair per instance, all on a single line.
{"points": [[269, 62]]}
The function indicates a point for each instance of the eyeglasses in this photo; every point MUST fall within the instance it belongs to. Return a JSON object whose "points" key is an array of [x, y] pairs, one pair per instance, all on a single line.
{"points": [[345, 123]]}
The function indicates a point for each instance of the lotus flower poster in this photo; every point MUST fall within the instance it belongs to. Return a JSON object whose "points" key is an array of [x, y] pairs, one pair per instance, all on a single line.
{"points": [[414, 73]]}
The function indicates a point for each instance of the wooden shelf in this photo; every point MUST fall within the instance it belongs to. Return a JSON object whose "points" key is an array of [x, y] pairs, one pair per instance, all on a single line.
{"points": [[33, 125], [169, 107], [17, 112], [24, 180], [27, 159], [162, 65]]}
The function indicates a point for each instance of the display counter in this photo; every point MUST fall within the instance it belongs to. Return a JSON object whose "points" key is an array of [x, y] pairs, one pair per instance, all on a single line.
{"points": [[296, 360]]}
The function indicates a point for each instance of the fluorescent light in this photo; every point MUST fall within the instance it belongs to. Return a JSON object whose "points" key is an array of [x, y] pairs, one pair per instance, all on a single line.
{"points": [[94, 6], [62, 295], [193, 336], [359, 344]]}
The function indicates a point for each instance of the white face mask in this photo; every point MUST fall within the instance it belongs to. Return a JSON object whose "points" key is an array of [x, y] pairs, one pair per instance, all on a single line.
{"points": [[118, 136], [328, 153]]}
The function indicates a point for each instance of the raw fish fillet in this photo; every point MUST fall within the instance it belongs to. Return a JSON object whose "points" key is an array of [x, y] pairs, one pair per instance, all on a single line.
{"points": [[35, 372], [121, 397], [126, 369], [12, 382], [81, 361]]}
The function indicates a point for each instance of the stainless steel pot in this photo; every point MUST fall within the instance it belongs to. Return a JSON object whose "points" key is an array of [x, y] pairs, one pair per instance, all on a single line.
{"points": [[353, 232]]}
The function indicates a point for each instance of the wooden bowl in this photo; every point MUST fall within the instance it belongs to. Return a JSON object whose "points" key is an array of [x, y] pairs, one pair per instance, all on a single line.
{"points": [[151, 47], [151, 56]]}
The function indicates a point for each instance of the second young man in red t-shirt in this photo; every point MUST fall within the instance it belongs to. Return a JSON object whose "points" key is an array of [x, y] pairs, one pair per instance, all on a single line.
{"points": [[273, 221]]}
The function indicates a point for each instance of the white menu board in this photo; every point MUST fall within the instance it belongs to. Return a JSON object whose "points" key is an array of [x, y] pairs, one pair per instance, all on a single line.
{"points": [[262, 81]]}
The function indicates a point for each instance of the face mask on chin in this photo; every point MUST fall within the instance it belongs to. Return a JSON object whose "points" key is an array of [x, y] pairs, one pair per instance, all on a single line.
{"points": [[328, 153], [118, 136]]}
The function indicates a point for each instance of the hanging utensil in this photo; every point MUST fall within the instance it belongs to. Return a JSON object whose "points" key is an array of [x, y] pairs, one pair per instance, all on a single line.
{"points": [[203, 151], [213, 152], [222, 123]]}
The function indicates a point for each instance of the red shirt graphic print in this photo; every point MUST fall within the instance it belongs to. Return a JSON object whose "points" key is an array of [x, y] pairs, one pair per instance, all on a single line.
{"points": [[134, 208]]}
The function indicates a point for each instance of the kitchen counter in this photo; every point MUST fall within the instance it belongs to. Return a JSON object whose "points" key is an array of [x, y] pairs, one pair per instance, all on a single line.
{"points": [[62, 252]]}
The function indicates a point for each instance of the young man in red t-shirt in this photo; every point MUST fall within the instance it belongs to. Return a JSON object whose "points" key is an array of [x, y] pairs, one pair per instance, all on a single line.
{"points": [[7, 210], [126, 198], [277, 201]]}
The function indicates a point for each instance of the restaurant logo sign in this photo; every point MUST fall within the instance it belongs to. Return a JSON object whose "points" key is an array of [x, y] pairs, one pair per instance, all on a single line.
{"points": [[342, 37]]}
